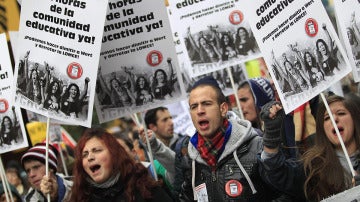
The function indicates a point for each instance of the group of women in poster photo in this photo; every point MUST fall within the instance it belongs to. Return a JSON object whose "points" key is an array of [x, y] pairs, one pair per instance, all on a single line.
{"points": [[308, 64], [48, 90], [219, 43], [127, 87], [353, 35]]}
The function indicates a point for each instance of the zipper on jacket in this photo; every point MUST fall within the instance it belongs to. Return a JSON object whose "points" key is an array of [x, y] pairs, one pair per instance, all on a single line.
{"points": [[213, 176], [229, 168]]}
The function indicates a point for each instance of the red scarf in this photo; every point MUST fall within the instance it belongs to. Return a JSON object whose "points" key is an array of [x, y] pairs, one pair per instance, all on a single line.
{"points": [[210, 150]]}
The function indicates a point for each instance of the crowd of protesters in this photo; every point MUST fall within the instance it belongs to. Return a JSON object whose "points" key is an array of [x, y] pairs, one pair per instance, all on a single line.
{"points": [[226, 159]]}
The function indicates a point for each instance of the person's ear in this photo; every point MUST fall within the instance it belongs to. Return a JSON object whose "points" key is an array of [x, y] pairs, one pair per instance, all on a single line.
{"points": [[152, 127], [224, 107]]}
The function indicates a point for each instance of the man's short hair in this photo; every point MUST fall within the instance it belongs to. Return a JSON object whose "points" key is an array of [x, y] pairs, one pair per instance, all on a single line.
{"points": [[150, 115], [210, 81]]}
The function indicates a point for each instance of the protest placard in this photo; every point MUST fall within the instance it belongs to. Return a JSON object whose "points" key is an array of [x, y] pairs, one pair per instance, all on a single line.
{"points": [[12, 130], [214, 34], [58, 48], [138, 65], [349, 26], [300, 47]]}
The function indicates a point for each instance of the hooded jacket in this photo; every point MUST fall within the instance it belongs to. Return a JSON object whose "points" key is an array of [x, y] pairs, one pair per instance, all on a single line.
{"points": [[236, 177]]}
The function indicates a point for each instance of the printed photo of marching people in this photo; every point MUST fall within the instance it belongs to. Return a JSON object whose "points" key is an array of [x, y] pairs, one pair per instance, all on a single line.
{"points": [[138, 67], [214, 34], [349, 30], [305, 64], [55, 72], [12, 131]]}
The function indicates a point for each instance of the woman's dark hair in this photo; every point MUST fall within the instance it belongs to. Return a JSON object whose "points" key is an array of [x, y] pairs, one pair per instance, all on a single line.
{"points": [[114, 79], [156, 72], [31, 73], [58, 91], [222, 43], [323, 42], [146, 83], [313, 61], [325, 175], [67, 91], [243, 29], [2, 122]]}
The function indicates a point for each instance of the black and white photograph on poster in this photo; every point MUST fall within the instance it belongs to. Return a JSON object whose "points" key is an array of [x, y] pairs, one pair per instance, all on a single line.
{"points": [[12, 134], [12, 130], [55, 73], [349, 25], [130, 87], [305, 64], [222, 76], [138, 66], [44, 86], [214, 35]]}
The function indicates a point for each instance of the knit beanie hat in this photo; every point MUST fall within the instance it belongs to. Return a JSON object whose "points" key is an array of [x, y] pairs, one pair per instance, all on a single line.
{"points": [[38, 152], [207, 80], [262, 91]]}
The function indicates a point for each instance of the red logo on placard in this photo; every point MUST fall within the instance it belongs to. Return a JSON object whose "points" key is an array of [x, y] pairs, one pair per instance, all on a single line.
{"points": [[154, 58], [311, 27], [236, 17], [4, 105], [74, 70]]}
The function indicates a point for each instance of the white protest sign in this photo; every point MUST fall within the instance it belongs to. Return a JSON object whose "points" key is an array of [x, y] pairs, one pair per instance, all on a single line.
{"points": [[300, 47], [55, 74], [12, 130], [214, 34], [352, 195], [349, 26], [181, 117], [138, 65]]}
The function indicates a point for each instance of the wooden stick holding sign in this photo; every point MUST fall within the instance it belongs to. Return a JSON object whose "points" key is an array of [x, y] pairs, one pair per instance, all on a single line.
{"points": [[235, 92], [63, 160], [47, 153]]}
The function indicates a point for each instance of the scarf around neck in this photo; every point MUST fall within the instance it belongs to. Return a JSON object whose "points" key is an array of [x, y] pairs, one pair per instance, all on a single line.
{"points": [[211, 150], [108, 183]]}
